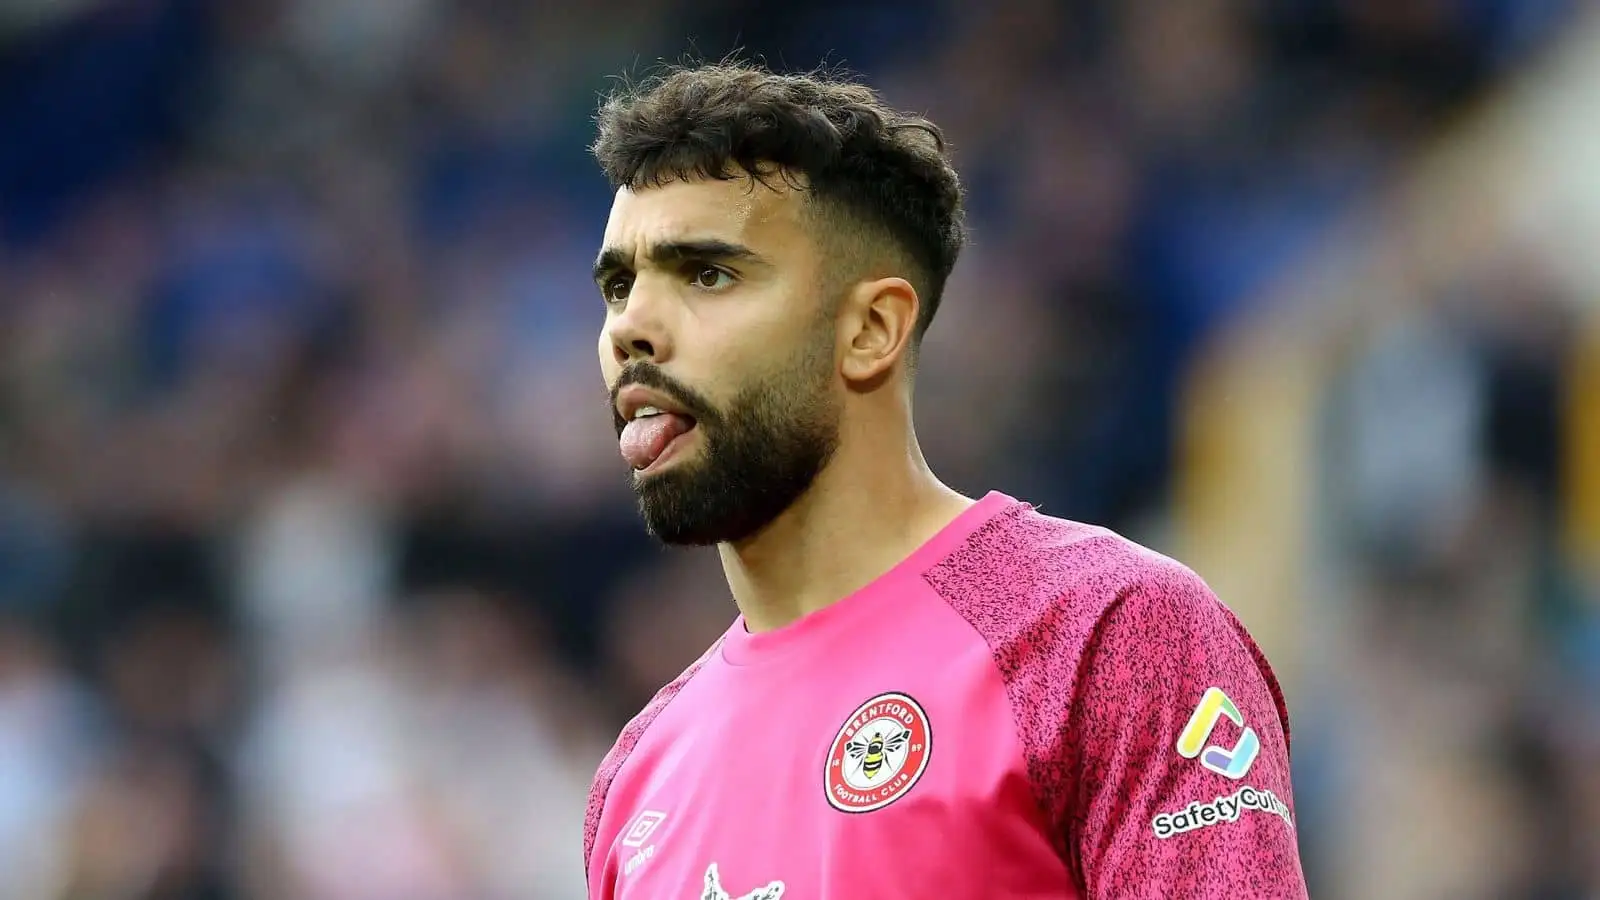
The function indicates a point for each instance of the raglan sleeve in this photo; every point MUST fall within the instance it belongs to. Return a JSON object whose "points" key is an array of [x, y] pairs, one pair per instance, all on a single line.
{"points": [[1178, 740]]}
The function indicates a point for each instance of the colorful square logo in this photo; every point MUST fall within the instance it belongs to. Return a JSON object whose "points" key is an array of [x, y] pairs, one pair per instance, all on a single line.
{"points": [[1230, 762]]}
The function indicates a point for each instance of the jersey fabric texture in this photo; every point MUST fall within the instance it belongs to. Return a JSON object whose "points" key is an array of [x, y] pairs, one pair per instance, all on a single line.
{"points": [[1024, 708]]}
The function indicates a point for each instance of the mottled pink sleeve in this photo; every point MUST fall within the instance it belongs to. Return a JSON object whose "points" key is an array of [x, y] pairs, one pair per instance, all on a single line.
{"points": [[600, 789], [1108, 651], [1178, 742]]}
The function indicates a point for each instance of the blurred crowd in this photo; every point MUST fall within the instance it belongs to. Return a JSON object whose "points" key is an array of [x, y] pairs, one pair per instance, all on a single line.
{"points": [[319, 573], [1461, 729]]}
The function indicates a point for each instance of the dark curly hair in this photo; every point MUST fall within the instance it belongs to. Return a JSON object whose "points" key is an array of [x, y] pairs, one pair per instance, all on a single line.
{"points": [[870, 171]]}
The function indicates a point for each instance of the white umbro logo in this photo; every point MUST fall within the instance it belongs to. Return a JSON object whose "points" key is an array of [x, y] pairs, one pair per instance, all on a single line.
{"points": [[643, 826]]}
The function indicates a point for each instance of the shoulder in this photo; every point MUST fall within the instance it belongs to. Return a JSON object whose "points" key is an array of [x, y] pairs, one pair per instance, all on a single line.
{"points": [[1102, 645], [625, 744], [1036, 588]]}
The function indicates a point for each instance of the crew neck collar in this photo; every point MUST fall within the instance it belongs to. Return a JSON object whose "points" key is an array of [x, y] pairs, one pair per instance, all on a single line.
{"points": [[741, 648]]}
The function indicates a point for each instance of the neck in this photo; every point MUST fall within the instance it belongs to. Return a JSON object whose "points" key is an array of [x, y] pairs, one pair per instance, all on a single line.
{"points": [[862, 516]]}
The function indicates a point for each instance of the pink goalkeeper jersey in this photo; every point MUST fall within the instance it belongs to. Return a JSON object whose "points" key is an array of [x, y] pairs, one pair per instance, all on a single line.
{"points": [[1024, 708]]}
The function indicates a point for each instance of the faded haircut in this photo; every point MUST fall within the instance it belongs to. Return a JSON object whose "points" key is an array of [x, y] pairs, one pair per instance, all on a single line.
{"points": [[874, 177]]}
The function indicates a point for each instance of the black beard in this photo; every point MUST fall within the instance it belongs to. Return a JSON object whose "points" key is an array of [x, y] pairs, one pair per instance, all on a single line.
{"points": [[757, 457]]}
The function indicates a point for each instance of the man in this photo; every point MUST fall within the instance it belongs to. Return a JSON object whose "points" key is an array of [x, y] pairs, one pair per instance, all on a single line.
{"points": [[923, 696]]}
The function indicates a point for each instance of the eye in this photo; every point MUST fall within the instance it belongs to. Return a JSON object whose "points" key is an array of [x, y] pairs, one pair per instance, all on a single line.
{"points": [[616, 290], [711, 278]]}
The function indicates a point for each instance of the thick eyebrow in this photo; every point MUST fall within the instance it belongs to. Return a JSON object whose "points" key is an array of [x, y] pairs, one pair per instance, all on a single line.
{"points": [[614, 259]]}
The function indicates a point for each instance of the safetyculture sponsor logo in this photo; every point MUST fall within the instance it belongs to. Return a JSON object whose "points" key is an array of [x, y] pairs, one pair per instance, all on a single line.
{"points": [[1199, 815], [1229, 762]]}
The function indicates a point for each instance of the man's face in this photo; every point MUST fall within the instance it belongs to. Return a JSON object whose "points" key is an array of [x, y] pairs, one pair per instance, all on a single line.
{"points": [[717, 331]]}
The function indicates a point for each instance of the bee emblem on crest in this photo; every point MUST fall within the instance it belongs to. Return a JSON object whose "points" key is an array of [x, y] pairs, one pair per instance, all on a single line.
{"points": [[879, 754]]}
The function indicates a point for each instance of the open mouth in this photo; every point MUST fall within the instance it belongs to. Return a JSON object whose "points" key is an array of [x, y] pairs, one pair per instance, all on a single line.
{"points": [[653, 437]]}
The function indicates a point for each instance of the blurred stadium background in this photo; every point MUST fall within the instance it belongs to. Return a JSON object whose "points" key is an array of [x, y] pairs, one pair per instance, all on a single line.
{"points": [[319, 577]]}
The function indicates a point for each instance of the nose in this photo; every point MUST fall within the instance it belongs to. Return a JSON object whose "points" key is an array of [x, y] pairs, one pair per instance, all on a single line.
{"points": [[639, 332]]}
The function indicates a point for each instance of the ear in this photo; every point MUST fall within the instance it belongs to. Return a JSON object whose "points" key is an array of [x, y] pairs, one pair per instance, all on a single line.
{"points": [[876, 321]]}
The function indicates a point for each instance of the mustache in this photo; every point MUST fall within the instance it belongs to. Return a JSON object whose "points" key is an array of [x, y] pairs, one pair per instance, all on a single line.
{"points": [[650, 375]]}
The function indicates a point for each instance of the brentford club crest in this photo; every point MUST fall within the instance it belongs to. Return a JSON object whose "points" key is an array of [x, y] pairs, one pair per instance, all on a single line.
{"points": [[878, 754]]}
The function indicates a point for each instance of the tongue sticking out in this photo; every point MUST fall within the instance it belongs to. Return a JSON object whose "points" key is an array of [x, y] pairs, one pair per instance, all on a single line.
{"points": [[645, 439]]}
